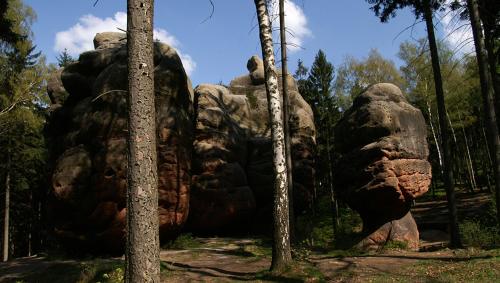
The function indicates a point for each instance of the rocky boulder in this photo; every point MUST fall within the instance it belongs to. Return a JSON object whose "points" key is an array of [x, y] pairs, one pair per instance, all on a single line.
{"points": [[232, 163], [382, 140], [87, 135]]}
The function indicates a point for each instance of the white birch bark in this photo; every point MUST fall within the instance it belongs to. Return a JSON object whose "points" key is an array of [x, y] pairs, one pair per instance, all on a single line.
{"points": [[440, 158], [281, 240]]}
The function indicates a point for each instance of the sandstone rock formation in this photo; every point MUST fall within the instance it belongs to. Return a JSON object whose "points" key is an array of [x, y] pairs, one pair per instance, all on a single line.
{"points": [[383, 165], [87, 133], [232, 162]]}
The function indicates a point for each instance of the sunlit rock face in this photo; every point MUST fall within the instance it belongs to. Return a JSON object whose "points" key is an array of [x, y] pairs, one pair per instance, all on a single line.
{"points": [[87, 135], [383, 167], [232, 162]]}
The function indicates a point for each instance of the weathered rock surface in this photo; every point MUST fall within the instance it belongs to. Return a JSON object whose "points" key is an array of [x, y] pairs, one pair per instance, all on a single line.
{"points": [[87, 134], [232, 162], [383, 165]]}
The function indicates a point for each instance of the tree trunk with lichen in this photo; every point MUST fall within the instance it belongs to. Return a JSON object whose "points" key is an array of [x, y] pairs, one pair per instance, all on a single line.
{"points": [[143, 244], [281, 257]]}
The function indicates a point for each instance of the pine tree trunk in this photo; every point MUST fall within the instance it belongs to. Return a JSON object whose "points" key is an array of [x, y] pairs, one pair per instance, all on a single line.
{"points": [[6, 216], [488, 97], [143, 248], [333, 199], [486, 169], [492, 61], [286, 117], [281, 238], [447, 161], [30, 224]]}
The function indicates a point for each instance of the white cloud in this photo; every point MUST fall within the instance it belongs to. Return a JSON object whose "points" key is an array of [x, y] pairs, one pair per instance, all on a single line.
{"points": [[457, 32], [79, 38], [296, 24]]}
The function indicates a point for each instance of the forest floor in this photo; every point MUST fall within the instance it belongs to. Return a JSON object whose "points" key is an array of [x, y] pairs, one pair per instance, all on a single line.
{"points": [[247, 260], [240, 260]]}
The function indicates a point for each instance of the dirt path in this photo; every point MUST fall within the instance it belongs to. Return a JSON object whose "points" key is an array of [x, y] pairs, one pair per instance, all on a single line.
{"points": [[236, 260], [247, 260], [219, 260]]}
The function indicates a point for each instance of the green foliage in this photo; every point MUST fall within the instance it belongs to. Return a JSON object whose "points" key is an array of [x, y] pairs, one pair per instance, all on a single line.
{"points": [[482, 231], [98, 270], [22, 119], [15, 26], [476, 234], [354, 76], [386, 9], [317, 90], [113, 276], [463, 100], [64, 59]]}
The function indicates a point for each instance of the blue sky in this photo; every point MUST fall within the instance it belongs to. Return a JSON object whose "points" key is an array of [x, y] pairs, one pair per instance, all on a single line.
{"points": [[217, 49]]}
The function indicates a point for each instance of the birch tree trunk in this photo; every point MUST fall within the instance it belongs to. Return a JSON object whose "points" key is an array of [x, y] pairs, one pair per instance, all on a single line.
{"points": [[143, 248], [281, 238], [286, 117], [488, 97], [447, 161], [438, 148]]}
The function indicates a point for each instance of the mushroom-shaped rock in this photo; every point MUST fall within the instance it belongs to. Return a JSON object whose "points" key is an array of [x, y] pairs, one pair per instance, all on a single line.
{"points": [[383, 165], [88, 136]]}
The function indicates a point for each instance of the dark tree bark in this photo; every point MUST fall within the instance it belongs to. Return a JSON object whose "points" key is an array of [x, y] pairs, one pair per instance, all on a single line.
{"points": [[286, 117], [488, 97], [143, 248], [6, 216], [447, 157], [489, 11], [281, 258]]}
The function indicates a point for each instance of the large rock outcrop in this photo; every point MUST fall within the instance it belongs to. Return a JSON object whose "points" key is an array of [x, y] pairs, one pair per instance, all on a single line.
{"points": [[87, 135], [383, 165], [232, 162]]}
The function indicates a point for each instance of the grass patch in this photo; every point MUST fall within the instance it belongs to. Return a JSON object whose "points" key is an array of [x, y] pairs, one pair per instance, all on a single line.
{"points": [[184, 241], [297, 272], [474, 270], [352, 252], [395, 245], [259, 249], [97, 270], [482, 267]]}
